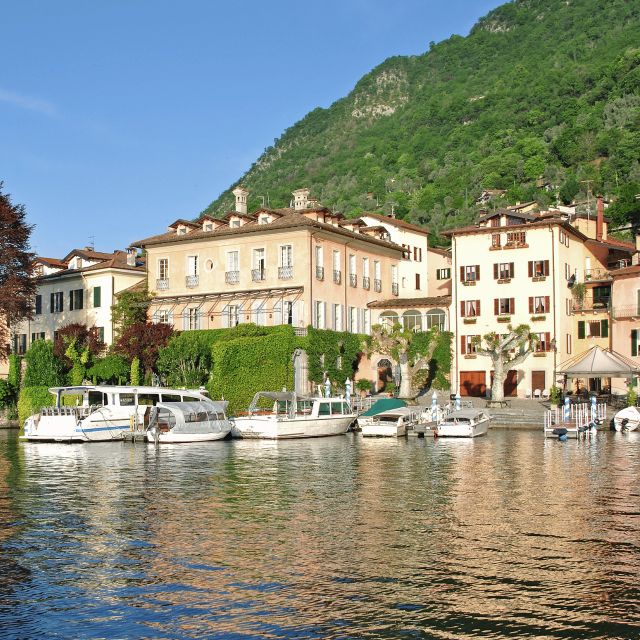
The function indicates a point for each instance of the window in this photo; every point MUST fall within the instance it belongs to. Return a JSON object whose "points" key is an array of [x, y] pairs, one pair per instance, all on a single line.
{"points": [[469, 308], [264, 220], [495, 240], [406, 252], [192, 265], [163, 316], [539, 304], [76, 299], [417, 254], [564, 238], [567, 271], [417, 282], [208, 226], [544, 342], [503, 306], [163, 269], [377, 276], [319, 256], [37, 336], [318, 313], [336, 317], [287, 312], [352, 264], [443, 274], [258, 313], [353, 320], [365, 268], [569, 345], [503, 271], [234, 224], [538, 268], [336, 261], [593, 329], [259, 265], [286, 255], [468, 344], [366, 321], [38, 305], [516, 237], [232, 315], [192, 319], [100, 331], [97, 297], [233, 261], [57, 302], [470, 273]]}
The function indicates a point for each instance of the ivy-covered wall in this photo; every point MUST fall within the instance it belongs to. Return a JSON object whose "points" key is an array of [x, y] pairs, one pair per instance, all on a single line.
{"points": [[440, 364], [333, 353]]}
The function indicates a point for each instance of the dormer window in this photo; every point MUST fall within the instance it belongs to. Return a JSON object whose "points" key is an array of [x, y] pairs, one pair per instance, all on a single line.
{"points": [[234, 223], [182, 231], [264, 220], [208, 226]]}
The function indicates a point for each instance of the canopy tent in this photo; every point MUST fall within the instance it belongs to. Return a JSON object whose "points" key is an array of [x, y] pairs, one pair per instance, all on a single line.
{"points": [[599, 363], [384, 404]]}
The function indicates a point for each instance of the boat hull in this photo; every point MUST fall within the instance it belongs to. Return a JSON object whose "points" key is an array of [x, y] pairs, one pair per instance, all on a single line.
{"points": [[185, 438], [627, 419], [378, 430], [268, 427], [462, 431], [66, 428]]}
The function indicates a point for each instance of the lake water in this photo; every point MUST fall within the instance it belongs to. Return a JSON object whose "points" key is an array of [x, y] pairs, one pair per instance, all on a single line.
{"points": [[506, 536]]}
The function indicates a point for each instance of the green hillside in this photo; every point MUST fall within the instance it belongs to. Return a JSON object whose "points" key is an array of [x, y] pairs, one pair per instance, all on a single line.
{"points": [[541, 97]]}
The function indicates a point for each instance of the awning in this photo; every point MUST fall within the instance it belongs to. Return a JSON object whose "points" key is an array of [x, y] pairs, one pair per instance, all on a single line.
{"points": [[599, 363]]}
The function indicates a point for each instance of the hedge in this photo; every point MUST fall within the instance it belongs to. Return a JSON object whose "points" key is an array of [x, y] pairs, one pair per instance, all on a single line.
{"points": [[32, 399], [43, 368], [6, 393], [335, 354], [244, 365]]}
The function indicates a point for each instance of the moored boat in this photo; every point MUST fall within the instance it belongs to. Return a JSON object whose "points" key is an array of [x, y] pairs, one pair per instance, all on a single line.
{"points": [[284, 414], [392, 423], [175, 422], [463, 423], [101, 412], [627, 419]]}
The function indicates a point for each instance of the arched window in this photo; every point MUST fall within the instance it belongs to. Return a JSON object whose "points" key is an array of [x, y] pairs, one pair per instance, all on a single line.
{"points": [[412, 320], [389, 318], [435, 318]]}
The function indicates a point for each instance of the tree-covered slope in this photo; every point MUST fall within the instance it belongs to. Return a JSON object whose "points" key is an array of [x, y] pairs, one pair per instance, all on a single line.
{"points": [[540, 98]]}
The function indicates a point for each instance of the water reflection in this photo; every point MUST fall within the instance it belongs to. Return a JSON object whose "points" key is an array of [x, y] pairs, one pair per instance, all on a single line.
{"points": [[504, 536]]}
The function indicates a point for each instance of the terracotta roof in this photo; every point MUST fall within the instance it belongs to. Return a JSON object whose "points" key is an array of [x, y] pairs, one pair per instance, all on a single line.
{"points": [[508, 212], [626, 271], [182, 221], [290, 219], [88, 254], [517, 227], [52, 262], [621, 244], [437, 301], [116, 260], [441, 251], [237, 214], [397, 222]]}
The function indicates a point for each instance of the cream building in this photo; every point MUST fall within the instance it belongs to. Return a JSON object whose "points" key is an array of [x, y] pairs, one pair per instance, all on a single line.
{"points": [[304, 265], [521, 267], [79, 288]]}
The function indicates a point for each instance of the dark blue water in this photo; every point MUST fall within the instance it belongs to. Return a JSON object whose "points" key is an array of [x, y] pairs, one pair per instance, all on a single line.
{"points": [[507, 536]]}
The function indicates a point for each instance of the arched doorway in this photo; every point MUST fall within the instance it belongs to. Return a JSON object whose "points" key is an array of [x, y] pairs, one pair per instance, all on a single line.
{"points": [[385, 373]]}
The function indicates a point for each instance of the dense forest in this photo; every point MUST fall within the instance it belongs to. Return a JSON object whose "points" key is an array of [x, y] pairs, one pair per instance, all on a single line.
{"points": [[541, 99]]}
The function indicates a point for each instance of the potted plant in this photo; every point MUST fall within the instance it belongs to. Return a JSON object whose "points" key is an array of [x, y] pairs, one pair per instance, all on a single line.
{"points": [[390, 388], [632, 396], [364, 386], [554, 396]]}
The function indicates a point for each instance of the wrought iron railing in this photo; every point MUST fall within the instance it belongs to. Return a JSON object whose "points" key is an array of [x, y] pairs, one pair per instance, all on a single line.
{"points": [[162, 284], [192, 281], [337, 276], [232, 277], [285, 273], [377, 286], [257, 275], [626, 311], [597, 274], [353, 279], [366, 283], [320, 273], [395, 289], [591, 304]]}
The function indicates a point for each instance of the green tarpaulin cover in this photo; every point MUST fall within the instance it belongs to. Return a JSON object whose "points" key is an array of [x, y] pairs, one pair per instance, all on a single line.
{"points": [[384, 404]]}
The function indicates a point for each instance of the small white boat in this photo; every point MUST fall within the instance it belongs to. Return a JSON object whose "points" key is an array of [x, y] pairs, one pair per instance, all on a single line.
{"points": [[392, 423], [101, 412], [463, 423], [627, 419], [284, 414], [188, 422]]}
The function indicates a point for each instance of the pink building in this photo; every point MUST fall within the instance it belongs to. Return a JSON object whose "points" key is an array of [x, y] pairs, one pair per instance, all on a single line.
{"points": [[625, 315]]}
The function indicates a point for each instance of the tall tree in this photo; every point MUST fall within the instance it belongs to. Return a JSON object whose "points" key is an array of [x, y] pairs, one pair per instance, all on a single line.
{"points": [[143, 340], [506, 351], [131, 307], [17, 284], [396, 342]]}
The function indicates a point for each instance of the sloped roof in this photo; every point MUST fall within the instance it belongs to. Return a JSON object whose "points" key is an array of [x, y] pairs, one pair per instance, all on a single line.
{"points": [[599, 363], [626, 271], [115, 260], [396, 222], [436, 301]]}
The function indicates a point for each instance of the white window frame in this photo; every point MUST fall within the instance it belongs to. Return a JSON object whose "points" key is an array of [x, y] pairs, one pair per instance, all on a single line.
{"points": [[163, 262], [285, 255], [193, 266], [233, 264]]}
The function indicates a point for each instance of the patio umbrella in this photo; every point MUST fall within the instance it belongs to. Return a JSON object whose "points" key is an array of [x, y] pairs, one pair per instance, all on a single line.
{"points": [[599, 363]]}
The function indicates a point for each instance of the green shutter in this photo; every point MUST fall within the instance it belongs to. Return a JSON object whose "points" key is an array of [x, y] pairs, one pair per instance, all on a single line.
{"points": [[634, 342], [604, 328], [581, 332], [97, 297]]}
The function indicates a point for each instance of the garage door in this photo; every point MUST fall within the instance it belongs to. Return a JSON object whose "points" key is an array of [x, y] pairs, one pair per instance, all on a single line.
{"points": [[473, 383], [510, 387]]}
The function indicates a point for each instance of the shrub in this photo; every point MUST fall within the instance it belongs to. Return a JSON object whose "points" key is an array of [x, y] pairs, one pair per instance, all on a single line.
{"points": [[632, 396], [186, 360], [43, 367], [15, 371], [32, 399], [364, 385], [135, 372], [143, 340], [6, 394], [110, 369]]}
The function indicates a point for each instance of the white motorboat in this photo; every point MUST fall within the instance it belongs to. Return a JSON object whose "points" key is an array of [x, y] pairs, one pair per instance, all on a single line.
{"points": [[627, 419], [393, 423], [188, 422], [463, 423], [101, 412], [284, 414]]}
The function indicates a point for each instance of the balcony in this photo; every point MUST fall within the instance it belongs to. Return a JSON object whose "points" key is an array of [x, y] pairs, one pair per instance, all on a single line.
{"points": [[353, 280], [285, 273], [337, 276], [320, 273], [258, 275], [192, 281], [232, 277], [395, 289], [162, 284], [366, 283], [627, 312], [599, 274], [377, 286], [591, 305]]}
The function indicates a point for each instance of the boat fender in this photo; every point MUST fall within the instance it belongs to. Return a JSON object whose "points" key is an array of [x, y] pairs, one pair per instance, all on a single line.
{"points": [[559, 431], [562, 437]]}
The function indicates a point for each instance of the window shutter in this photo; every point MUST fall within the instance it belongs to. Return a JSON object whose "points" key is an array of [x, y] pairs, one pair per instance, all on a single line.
{"points": [[530, 268], [477, 272], [512, 270], [71, 307], [51, 303], [512, 305], [530, 305], [496, 306], [81, 298], [97, 297], [462, 309], [581, 332], [634, 342], [604, 328], [495, 271], [546, 267], [547, 304], [185, 319], [547, 341], [461, 274], [463, 345], [477, 307], [170, 318]]}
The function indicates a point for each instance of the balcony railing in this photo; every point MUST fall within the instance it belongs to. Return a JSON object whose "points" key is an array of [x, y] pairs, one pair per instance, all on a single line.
{"points": [[366, 283], [192, 281], [630, 311], [320, 273], [395, 289], [337, 276], [377, 286], [590, 304], [232, 277], [162, 284], [596, 274], [285, 273], [258, 275], [353, 279]]}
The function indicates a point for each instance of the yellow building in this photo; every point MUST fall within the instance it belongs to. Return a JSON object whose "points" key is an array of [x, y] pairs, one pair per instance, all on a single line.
{"points": [[303, 265]]}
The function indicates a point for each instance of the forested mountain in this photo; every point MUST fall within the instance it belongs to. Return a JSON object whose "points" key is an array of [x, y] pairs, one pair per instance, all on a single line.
{"points": [[542, 99]]}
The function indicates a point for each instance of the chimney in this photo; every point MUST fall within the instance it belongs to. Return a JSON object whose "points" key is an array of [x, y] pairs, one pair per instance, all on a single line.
{"points": [[241, 195], [131, 256], [300, 199], [599, 219]]}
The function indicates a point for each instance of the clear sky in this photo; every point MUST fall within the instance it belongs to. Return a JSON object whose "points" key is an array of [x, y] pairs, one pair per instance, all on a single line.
{"points": [[119, 116]]}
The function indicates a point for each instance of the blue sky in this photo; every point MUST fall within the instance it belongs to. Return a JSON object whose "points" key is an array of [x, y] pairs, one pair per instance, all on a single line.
{"points": [[119, 116]]}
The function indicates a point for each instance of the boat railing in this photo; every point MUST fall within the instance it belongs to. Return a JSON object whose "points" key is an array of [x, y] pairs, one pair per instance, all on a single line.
{"points": [[78, 412], [580, 415]]}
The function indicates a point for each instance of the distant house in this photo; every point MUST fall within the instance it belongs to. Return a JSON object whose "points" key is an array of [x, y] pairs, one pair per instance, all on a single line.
{"points": [[489, 194]]}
